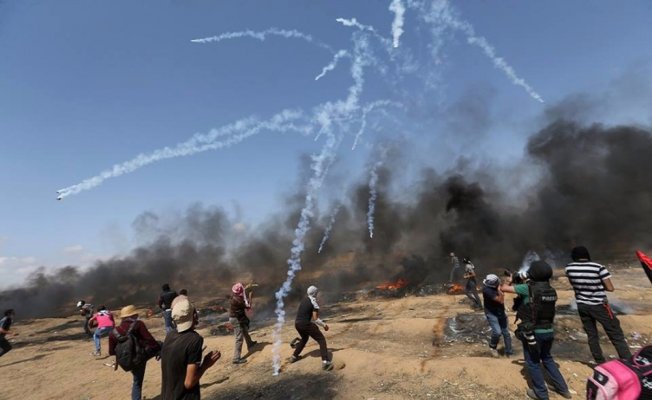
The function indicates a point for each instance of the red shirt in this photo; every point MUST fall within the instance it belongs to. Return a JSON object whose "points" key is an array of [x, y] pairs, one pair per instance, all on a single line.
{"points": [[140, 330]]}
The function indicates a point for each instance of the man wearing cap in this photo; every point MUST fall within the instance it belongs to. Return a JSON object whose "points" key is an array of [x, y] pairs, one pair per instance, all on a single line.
{"points": [[494, 310], [307, 323], [238, 318], [181, 358], [591, 282], [536, 330], [129, 315]]}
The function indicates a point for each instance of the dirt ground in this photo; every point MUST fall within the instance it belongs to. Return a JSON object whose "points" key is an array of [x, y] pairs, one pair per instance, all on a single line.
{"points": [[430, 347]]}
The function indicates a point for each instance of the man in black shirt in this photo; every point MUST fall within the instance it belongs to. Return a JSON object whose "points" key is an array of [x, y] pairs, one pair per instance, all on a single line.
{"points": [[181, 357], [306, 324], [165, 304], [5, 325]]}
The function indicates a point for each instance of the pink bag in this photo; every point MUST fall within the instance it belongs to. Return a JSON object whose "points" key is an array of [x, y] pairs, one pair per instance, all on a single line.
{"points": [[622, 379]]}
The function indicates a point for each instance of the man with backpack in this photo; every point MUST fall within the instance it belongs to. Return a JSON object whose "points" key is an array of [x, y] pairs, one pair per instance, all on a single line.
{"points": [[132, 345], [591, 282], [537, 314], [182, 365]]}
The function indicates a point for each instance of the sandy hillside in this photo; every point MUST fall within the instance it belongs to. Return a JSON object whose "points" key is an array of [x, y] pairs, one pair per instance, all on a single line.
{"points": [[430, 347]]}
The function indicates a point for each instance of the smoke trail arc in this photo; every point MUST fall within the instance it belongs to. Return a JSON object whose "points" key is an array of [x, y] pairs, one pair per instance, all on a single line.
{"points": [[329, 228]]}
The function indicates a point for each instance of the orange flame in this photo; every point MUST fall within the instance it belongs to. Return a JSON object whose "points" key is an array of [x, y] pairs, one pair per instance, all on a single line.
{"points": [[399, 284], [455, 288]]}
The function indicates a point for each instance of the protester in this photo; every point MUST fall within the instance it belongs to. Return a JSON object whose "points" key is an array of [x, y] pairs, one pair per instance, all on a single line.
{"points": [[590, 282], [130, 320], [183, 294], [307, 323], [5, 325], [471, 288], [238, 318], [105, 325], [165, 304], [181, 358], [536, 330], [86, 311], [494, 310], [455, 266]]}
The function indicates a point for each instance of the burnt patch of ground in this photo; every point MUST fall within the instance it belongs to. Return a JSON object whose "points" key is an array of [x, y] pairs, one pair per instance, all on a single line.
{"points": [[284, 387]]}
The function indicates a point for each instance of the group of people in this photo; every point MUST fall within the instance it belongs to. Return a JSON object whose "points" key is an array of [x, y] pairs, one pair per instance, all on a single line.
{"points": [[182, 364], [535, 311]]}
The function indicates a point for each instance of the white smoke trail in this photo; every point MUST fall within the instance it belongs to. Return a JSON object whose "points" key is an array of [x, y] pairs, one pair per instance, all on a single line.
{"points": [[373, 194], [354, 23], [397, 25], [329, 228], [237, 132], [333, 64], [440, 15], [262, 35], [366, 110], [325, 116], [529, 257]]}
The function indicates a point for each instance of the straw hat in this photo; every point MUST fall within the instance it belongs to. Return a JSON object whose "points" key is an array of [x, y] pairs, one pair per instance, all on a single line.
{"points": [[128, 311]]}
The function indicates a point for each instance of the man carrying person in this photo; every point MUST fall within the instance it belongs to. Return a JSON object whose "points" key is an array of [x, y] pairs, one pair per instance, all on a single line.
{"points": [[105, 325], [181, 358], [165, 304], [5, 325], [537, 314], [240, 302], [494, 310], [471, 288], [590, 282], [131, 323], [307, 323]]}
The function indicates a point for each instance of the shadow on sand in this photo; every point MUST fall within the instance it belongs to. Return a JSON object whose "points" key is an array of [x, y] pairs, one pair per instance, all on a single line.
{"points": [[284, 387]]}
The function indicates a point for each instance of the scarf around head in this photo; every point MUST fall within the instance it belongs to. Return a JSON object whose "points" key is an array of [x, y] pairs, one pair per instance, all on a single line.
{"points": [[239, 290]]}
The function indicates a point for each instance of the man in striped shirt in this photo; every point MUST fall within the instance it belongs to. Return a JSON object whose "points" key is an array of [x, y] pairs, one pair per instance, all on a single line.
{"points": [[591, 282]]}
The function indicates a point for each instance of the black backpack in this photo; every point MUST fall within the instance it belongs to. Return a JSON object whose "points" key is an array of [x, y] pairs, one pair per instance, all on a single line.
{"points": [[129, 352]]}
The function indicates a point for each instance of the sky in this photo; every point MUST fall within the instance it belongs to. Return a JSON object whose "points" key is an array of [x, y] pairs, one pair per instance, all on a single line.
{"points": [[85, 85]]}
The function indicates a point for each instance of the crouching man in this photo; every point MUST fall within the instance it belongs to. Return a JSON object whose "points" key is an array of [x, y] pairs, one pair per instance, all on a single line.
{"points": [[537, 313]]}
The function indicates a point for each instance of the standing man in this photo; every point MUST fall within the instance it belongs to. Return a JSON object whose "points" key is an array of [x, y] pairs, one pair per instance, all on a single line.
{"points": [[105, 324], [471, 288], [494, 310], [238, 318], [131, 323], [165, 304], [181, 358], [537, 313], [5, 325], [455, 266], [307, 323], [591, 282]]}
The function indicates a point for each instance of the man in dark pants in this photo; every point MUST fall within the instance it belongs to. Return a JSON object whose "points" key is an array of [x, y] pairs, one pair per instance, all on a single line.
{"points": [[591, 282], [306, 324], [5, 325], [536, 331], [165, 304]]}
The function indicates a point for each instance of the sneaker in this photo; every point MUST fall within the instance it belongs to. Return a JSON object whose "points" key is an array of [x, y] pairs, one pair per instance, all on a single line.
{"points": [[293, 359], [509, 355], [327, 365], [530, 393], [96, 354], [566, 395], [239, 361], [494, 353], [294, 342]]}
